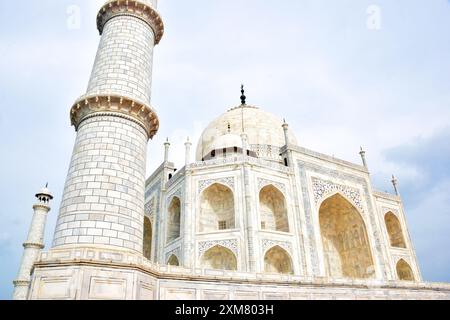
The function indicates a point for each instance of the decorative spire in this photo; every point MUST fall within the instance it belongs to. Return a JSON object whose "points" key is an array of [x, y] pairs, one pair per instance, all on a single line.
{"points": [[188, 145], [286, 132], [166, 150], [395, 184], [362, 153], [243, 97]]}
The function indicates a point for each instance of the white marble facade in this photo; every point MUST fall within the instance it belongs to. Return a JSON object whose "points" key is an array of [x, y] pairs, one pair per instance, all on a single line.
{"points": [[255, 216], [274, 205]]}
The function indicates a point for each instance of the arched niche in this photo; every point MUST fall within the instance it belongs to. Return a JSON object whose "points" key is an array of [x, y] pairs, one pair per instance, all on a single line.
{"points": [[148, 235], [219, 258], [346, 248], [277, 260], [273, 210], [217, 209], [394, 230], [404, 271], [173, 261], [173, 223]]}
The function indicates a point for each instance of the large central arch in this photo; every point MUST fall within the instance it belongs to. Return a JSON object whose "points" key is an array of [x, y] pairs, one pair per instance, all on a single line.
{"points": [[346, 247], [217, 209]]}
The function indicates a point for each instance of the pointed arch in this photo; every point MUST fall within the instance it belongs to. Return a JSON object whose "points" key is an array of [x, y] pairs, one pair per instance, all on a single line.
{"points": [[173, 221], [278, 260], [273, 209], [219, 258], [394, 230], [346, 247], [217, 209], [404, 271], [147, 239], [173, 261]]}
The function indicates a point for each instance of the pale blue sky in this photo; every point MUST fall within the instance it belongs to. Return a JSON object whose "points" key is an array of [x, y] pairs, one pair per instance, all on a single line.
{"points": [[338, 83]]}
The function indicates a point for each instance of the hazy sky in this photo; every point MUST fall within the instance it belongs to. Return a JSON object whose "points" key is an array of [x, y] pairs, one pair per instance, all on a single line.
{"points": [[339, 75]]}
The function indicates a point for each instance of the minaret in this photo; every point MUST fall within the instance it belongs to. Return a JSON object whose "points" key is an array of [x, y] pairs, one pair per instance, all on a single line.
{"points": [[33, 245], [103, 199]]}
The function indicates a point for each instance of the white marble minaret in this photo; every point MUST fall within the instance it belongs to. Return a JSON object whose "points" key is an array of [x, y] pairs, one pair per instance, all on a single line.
{"points": [[33, 245], [103, 201]]}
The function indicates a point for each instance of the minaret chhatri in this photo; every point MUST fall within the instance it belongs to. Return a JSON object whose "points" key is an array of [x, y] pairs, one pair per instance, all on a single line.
{"points": [[33, 245], [103, 200]]}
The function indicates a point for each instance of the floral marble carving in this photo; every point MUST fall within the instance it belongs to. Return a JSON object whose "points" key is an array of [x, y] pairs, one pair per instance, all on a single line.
{"points": [[229, 244]]}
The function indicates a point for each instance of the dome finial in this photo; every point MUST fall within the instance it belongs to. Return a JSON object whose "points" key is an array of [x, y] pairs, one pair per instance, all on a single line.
{"points": [[243, 97]]}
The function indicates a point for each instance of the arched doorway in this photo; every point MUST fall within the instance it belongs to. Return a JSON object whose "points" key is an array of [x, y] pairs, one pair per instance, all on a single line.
{"points": [[219, 258], [394, 230], [173, 261], [346, 247], [173, 223], [404, 271], [273, 210], [277, 260], [217, 209], [148, 235]]}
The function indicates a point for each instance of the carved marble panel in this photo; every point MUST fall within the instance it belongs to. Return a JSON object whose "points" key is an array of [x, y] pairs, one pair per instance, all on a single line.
{"points": [[231, 244], [264, 182], [229, 182], [268, 243]]}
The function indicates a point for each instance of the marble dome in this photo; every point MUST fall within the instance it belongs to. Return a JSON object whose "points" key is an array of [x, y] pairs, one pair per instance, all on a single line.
{"points": [[262, 128]]}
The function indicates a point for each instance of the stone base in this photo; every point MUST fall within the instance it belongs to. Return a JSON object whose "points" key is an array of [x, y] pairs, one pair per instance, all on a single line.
{"points": [[92, 274]]}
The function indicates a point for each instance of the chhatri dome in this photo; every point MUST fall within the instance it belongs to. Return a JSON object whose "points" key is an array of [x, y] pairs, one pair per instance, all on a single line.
{"points": [[262, 129]]}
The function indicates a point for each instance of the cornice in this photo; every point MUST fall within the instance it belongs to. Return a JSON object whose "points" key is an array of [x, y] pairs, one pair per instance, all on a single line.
{"points": [[137, 9], [33, 245], [111, 105]]}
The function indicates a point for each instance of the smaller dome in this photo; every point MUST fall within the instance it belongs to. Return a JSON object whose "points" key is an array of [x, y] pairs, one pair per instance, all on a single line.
{"points": [[228, 140]]}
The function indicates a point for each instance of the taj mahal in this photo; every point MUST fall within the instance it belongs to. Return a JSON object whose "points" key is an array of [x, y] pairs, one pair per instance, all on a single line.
{"points": [[253, 216]]}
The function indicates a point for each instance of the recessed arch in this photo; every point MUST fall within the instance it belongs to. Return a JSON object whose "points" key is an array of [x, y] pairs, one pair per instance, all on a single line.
{"points": [[394, 230], [404, 271], [217, 209], [273, 209], [173, 261], [219, 258], [346, 247], [278, 260], [173, 222], [147, 239]]}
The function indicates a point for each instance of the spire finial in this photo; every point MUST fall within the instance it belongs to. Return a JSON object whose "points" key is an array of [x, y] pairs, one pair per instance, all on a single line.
{"points": [[395, 184], [362, 153], [46, 185], [243, 97]]}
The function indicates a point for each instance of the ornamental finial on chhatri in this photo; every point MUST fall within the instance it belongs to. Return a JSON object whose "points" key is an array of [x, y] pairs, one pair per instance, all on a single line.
{"points": [[243, 97]]}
